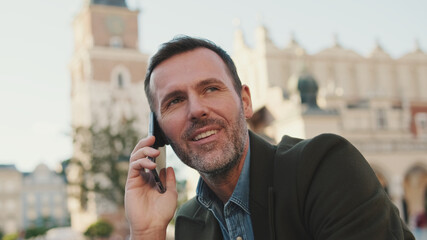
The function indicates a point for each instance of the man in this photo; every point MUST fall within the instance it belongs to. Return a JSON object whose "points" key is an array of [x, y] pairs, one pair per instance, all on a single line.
{"points": [[248, 189]]}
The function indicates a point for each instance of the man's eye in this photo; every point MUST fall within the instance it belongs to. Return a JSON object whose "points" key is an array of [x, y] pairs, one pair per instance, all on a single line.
{"points": [[211, 89], [174, 101]]}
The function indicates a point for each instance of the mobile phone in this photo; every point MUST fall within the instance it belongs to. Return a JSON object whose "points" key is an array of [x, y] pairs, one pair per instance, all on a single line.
{"points": [[155, 130]]}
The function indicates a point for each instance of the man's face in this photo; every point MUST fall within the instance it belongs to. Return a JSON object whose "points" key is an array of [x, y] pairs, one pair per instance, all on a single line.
{"points": [[199, 110]]}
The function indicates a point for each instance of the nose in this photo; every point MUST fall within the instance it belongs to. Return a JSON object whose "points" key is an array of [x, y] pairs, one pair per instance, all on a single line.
{"points": [[197, 108]]}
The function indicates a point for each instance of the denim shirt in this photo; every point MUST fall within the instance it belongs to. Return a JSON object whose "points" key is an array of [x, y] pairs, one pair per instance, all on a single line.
{"points": [[234, 218]]}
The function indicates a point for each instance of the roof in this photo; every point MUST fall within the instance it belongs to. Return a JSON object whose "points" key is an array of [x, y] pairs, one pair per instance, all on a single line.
{"points": [[117, 3], [7, 166]]}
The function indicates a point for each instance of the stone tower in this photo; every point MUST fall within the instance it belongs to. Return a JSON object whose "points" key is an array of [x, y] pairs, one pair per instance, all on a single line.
{"points": [[107, 74]]}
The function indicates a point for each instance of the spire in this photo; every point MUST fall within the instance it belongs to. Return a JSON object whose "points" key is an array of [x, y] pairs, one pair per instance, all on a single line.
{"points": [[417, 47], [292, 40], [239, 39], [378, 45], [116, 3], [378, 51], [335, 41], [262, 35]]}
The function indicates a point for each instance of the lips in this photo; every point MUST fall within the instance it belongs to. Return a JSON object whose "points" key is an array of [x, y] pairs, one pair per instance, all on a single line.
{"points": [[204, 135]]}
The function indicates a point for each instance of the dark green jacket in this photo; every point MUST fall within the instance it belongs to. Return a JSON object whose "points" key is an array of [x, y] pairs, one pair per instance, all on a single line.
{"points": [[321, 188]]}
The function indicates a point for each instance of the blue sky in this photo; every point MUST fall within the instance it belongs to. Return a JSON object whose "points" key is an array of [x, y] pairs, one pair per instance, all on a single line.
{"points": [[36, 47]]}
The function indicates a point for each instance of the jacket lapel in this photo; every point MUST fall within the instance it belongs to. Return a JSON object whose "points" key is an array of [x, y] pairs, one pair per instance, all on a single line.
{"points": [[261, 187]]}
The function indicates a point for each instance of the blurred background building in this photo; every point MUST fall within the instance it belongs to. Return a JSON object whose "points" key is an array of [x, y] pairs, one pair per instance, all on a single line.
{"points": [[377, 102], [44, 198], [32, 199], [10, 199], [109, 110]]}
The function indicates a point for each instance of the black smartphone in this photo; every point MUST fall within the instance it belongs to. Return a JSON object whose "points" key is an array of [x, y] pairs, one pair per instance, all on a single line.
{"points": [[155, 130]]}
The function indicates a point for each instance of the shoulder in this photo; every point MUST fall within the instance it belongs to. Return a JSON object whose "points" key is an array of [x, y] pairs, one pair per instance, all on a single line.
{"points": [[334, 188], [322, 149], [321, 142], [325, 170], [322, 158]]}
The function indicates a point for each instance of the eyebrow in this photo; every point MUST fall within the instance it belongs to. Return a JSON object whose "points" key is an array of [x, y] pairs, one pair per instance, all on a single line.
{"points": [[171, 95], [207, 82], [199, 85]]}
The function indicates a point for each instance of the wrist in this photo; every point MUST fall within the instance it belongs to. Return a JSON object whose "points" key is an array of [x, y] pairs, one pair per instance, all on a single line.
{"points": [[152, 233]]}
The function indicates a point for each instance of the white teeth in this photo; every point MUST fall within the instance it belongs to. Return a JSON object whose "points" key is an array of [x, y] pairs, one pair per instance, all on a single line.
{"points": [[205, 134]]}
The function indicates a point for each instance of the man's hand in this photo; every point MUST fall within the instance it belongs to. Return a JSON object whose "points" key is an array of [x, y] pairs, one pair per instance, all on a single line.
{"points": [[148, 211]]}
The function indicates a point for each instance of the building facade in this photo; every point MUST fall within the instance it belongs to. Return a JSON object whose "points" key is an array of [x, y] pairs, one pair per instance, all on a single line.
{"points": [[44, 199], [34, 199], [377, 102], [10, 199], [107, 75]]}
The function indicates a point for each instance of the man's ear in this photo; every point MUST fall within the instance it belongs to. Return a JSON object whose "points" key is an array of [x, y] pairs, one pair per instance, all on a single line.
{"points": [[246, 101]]}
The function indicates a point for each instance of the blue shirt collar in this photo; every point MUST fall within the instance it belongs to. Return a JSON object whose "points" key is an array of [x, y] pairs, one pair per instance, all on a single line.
{"points": [[240, 196]]}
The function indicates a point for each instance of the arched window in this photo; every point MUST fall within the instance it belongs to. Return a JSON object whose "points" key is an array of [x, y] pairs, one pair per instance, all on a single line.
{"points": [[120, 80], [120, 77], [415, 185]]}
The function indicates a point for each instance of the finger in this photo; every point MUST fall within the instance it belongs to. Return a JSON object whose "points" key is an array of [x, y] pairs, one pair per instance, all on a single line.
{"points": [[139, 165], [170, 179], [148, 141], [162, 176], [143, 153]]}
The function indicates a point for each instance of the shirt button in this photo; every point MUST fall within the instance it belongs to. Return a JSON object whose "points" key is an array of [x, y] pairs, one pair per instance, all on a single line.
{"points": [[239, 238]]}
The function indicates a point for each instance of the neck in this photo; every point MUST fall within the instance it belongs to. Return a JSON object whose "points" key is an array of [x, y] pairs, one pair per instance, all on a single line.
{"points": [[223, 185]]}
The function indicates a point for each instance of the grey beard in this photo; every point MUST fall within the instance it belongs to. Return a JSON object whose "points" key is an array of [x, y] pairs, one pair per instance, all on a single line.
{"points": [[224, 170], [233, 151]]}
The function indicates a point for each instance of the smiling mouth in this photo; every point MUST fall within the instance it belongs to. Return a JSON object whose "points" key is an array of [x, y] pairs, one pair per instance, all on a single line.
{"points": [[205, 135]]}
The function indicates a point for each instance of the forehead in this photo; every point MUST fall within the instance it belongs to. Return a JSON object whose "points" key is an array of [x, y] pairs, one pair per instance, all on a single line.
{"points": [[184, 69]]}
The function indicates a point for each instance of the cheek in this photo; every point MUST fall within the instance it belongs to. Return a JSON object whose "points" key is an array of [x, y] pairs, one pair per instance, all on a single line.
{"points": [[171, 128], [230, 106]]}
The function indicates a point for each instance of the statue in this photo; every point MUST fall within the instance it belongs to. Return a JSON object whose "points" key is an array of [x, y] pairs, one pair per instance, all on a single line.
{"points": [[308, 89]]}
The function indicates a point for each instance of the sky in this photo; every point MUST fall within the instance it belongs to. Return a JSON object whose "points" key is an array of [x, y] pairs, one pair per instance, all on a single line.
{"points": [[36, 45]]}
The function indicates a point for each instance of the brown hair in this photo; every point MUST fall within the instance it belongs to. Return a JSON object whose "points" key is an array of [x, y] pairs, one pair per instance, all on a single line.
{"points": [[181, 44]]}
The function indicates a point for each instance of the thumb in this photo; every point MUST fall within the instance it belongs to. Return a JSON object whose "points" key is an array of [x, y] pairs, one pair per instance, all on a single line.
{"points": [[170, 179]]}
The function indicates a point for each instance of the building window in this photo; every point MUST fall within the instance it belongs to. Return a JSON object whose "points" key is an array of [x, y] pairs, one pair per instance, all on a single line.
{"points": [[10, 205], [120, 80], [421, 124], [32, 214], [31, 199], [45, 211], [59, 214], [116, 42], [120, 77], [381, 119], [58, 198], [10, 186]]}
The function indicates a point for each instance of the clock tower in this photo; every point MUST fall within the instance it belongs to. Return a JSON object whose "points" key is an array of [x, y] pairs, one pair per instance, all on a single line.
{"points": [[107, 87]]}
